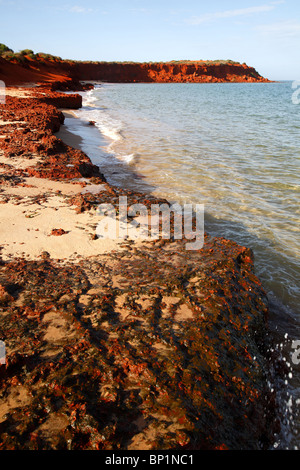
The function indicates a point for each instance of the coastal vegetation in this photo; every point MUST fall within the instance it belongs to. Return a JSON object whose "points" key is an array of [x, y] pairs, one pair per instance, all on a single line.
{"points": [[25, 55]]}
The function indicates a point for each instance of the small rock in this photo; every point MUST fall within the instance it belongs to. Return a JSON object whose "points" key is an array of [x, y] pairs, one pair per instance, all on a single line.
{"points": [[58, 231]]}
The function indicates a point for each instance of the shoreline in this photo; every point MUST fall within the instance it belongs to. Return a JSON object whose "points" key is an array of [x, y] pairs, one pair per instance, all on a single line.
{"points": [[132, 345], [68, 136], [55, 212]]}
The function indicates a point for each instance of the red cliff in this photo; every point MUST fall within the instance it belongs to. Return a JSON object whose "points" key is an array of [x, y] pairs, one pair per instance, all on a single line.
{"points": [[195, 72], [40, 69]]}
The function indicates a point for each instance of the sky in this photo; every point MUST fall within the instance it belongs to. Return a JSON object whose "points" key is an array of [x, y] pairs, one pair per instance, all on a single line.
{"points": [[264, 34]]}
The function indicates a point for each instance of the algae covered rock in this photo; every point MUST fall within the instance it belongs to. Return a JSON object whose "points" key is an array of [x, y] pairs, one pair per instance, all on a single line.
{"points": [[139, 350]]}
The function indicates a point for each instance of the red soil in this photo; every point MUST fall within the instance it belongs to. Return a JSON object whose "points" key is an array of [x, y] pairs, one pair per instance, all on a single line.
{"points": [[15, 74]]}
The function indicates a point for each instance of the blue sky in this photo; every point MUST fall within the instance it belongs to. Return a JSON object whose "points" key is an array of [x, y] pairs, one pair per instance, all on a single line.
{"points": [[264, 34]]}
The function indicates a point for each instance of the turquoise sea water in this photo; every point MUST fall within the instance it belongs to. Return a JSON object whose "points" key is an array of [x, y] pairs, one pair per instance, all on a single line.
{"points": [[235, 149]]}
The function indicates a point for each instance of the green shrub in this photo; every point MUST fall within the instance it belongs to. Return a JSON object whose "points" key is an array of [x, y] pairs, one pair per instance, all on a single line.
{"points": [[26, 52], [43, 55], [4, 49]]}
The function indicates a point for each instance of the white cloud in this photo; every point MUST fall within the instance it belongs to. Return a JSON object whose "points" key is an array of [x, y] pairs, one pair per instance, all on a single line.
{"points": [[79, 9], [281, 30], [195, 20]]}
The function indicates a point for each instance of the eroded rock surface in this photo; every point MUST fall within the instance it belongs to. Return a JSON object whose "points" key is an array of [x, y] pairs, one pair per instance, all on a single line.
{"points": [[151, 349]]}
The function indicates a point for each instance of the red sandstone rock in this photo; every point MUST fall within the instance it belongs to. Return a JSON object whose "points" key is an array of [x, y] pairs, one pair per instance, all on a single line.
{"points": [[170, 357], [40, 120], [60, 100], [193, 72], [58, 232], [66, 75]]}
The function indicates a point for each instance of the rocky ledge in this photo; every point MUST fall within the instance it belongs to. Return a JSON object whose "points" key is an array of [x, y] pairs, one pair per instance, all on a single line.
{"points": [[167, 72], [150, 346]]}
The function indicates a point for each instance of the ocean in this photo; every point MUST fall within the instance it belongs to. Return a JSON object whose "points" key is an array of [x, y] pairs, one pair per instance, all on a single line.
{"points": [[233, 147]]}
